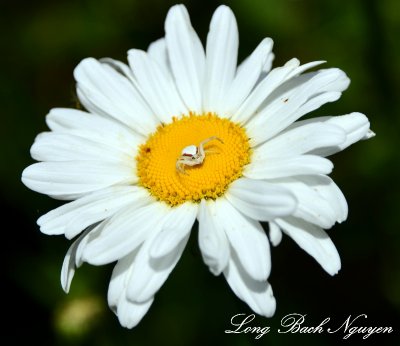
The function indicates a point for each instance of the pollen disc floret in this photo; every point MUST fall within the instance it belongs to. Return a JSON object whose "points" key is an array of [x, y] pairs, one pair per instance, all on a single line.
{"points": [[156, 161]]}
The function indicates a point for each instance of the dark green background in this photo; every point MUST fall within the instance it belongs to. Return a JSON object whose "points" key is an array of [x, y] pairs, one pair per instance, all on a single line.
{"points": [[42, 42]]}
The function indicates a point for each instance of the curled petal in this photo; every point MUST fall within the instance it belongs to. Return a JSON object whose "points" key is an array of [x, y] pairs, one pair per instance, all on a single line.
{"points": [[314, 241], [257, 295], [129, 313], [247, 238], [213, 243]]}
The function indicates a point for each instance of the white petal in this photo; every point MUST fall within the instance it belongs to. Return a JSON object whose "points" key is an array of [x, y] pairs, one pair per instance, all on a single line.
{"points": [[177, 226], [73, 217], [213, 243], [119, 278], [268, 63], [288, 166], [94, 127], [157, 51], [328, 190], [120, 67], [258, 295], [76, 177], [64, 119], [300, 140], [247, 238], [55, 146], [246, 77], [68, 268], [156, 86], [275, 233], [285, 107], [261, 200], [314, 241], [355, 125], [273, 80], [320, 201], [124, 232], [298, 71], [317, 101], [71, 261], [311, 206], [129, 313], [105, 91], [221, 58], [149, 274], [331, 79], [186, 55], [267, 67]]}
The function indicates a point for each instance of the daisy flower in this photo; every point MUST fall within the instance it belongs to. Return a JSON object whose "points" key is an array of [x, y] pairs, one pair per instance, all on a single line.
{"points": [[184, 133]]}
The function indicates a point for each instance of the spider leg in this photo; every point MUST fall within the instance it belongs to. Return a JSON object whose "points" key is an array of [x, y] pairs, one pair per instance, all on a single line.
{"points": [[203, 143], [211, 152], [180, 168]]}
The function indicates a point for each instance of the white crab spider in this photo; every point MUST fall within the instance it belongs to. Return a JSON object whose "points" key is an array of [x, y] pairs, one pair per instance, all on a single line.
{"points": [[192, 155]]}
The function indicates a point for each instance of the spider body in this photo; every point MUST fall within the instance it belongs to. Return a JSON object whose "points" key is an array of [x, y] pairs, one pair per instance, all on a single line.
{"points": [[193, 155]]}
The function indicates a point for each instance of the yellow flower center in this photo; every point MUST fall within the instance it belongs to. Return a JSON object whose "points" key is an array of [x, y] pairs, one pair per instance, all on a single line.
{"points": [[223, 161]]}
